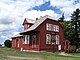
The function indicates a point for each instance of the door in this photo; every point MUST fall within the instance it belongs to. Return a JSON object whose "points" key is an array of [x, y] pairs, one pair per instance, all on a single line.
{"points": [[17, 42], [34, 38], [53, 42]]}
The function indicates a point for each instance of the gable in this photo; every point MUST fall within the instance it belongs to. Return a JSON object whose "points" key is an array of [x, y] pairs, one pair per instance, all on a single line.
{"points": [[30, 21], [47, 21], [25, 21], [38, 22]]}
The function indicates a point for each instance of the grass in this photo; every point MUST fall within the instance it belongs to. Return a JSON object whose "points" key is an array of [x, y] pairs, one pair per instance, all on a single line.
{"points": [[10, 54]]}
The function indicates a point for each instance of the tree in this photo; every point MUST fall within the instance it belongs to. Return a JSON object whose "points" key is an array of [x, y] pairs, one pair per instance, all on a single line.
{"points": [[61, 19], [66, 27], [75, 25], [8, 43]]}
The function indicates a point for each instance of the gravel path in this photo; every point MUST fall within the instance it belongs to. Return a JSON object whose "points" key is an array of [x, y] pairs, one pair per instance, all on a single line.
{"points": [[66, 54], [23, 58]]}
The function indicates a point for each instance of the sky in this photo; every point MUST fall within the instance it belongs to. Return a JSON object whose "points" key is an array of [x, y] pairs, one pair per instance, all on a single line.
{"points": [[13, 12]]}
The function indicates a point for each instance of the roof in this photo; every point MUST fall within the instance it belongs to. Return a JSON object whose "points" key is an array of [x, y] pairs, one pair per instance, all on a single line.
{"points": [[30, 20], [37, 23], [26, 20], [17, 35]]}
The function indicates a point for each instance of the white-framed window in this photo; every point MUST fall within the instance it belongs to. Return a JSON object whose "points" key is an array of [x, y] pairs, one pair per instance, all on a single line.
{"points": [[48, 38], [52, 27], [34, 39], [48, 26], [57, 38], [55, 28], [26, 39]]}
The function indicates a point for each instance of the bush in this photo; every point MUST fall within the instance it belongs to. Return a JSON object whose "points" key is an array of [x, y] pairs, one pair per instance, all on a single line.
{"points": [[8, 43]]}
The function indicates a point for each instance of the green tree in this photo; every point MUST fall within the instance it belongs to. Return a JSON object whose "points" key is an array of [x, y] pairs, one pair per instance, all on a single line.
{"points": [[61, 19], [66, 27], [8, 43], [75, 25]]}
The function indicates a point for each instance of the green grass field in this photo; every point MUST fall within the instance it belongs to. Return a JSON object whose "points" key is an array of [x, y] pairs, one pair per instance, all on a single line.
{"points": [[10, 54]]}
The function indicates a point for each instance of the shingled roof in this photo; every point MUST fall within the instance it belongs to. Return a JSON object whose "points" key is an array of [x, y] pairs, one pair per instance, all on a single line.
{"points": [[37, 23], [26, 20]]}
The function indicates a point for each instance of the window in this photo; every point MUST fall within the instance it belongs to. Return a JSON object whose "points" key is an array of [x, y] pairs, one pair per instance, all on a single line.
{"points": [[26, 39], [48, 26], [51, 27], [17, 40], [55, 28], [48, 38], [57, 39], [34, 39]]}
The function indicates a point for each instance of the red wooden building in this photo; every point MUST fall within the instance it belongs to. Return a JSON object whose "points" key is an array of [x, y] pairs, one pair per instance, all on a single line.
{"points": [[43, 34]]}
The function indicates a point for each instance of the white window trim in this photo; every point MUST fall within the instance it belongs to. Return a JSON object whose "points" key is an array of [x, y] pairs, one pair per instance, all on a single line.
{"points": [[51, 27], [48, 26], [48, 36], [57, 39], [25, 39], [56, 28]]}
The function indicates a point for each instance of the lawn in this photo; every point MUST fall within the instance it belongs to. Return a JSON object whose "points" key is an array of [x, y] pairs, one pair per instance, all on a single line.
{"points": [[10, 54]]}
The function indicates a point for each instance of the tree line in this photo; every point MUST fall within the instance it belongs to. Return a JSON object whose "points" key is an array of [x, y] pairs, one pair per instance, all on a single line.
{"points": [[72, 27]]}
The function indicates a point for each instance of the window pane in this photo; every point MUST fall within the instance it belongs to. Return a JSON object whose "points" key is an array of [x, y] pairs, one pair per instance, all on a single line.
{"points": [[48, 26], [57, 39], [34, 39], [26, 39], [48, 38], [57, 28]]}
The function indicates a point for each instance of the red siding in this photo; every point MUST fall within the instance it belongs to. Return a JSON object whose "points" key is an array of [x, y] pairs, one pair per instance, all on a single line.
{"points": [[43, 32], [15, 43], [41, 38]]}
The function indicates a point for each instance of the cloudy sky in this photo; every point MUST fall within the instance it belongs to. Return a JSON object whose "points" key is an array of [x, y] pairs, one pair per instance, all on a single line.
{"points": [[12, 13]]}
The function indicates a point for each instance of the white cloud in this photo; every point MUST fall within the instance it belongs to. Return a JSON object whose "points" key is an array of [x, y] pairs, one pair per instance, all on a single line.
{"points": [[11, 13], [66, 6], [61, 3], [33, 14]]}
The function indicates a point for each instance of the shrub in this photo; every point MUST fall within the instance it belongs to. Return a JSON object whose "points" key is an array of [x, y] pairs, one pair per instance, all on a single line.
{"points": [[8, 43]]}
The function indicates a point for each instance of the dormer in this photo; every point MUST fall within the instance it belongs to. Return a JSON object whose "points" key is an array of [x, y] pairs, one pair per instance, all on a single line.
{"points": [[27, 23]]}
